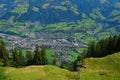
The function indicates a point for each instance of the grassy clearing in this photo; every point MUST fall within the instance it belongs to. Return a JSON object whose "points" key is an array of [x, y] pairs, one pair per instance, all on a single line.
{"points": [[20, 9], [106, 68], [2, 75], [37, 73], [75, 54], [50, 53]]}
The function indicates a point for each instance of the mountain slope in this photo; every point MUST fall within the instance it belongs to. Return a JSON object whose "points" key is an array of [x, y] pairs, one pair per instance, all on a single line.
{"points": [[37, 73], [53, 11], [74, 23], [103, 68], [86, 20], [106, 68]]}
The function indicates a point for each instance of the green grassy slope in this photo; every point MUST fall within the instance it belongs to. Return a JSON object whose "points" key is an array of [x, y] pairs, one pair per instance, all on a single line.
{"points": [[106, 68], [37, 73], [2, 75]]}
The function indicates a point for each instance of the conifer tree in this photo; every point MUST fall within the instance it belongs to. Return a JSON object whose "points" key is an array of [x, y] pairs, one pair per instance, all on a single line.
{"points": [[37, 56], [18, 59], [21, 60], [91, 49], [29, 58], [104, 47], [118, 43], [75, 64], [110, 45], [115, 42], [43, 55], [15, 58], [54, 62], [98, 50], [4, 56], [40, 56]]}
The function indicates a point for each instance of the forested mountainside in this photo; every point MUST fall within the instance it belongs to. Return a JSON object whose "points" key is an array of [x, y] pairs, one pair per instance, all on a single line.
{"points": [[98, 17], [52, 11], [63, 26]]}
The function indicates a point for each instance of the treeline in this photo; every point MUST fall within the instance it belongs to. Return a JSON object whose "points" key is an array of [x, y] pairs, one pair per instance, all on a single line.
{"points": [[17, 59], [104, 47]]}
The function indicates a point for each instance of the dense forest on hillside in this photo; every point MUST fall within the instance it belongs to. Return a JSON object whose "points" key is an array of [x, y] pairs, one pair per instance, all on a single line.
{"points": [[104, 47], [83, 20], [17, 59]]}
